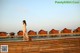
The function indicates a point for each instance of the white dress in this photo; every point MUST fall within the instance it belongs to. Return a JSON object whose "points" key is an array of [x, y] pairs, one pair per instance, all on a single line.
{"points": [[25, 36]]}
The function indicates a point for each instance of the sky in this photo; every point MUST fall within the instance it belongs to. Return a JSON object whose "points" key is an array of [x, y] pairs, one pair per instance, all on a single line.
{"points": [[39, 14]]}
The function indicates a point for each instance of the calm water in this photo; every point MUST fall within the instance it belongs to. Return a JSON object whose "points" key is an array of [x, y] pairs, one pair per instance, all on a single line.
{"points": [[39, 38]]}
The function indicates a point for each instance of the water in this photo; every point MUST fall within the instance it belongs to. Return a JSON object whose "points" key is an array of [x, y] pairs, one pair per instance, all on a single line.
{"points": [[10, 39], [39, 38]]}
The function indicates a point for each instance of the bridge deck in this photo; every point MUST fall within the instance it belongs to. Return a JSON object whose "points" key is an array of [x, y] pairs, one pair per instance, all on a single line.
{"points": [[67, 45]]}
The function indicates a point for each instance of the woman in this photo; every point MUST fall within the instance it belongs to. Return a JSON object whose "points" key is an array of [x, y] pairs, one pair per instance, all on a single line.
{"points": [[25, 36]]}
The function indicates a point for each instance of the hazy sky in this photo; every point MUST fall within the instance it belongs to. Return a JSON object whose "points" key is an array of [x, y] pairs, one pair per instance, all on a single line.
{"points": [[39, 14]]}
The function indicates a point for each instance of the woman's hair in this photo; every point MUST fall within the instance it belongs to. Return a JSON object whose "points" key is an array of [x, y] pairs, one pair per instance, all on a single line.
{"points": [[24, 22]]}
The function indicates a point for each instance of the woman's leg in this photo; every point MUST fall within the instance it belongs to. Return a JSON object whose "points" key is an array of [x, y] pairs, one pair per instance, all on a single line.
{"points": [[27, 37], [23, 36]]}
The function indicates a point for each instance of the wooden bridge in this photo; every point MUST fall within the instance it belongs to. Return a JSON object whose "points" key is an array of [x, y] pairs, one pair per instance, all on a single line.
{"points": [[67, 45]]}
